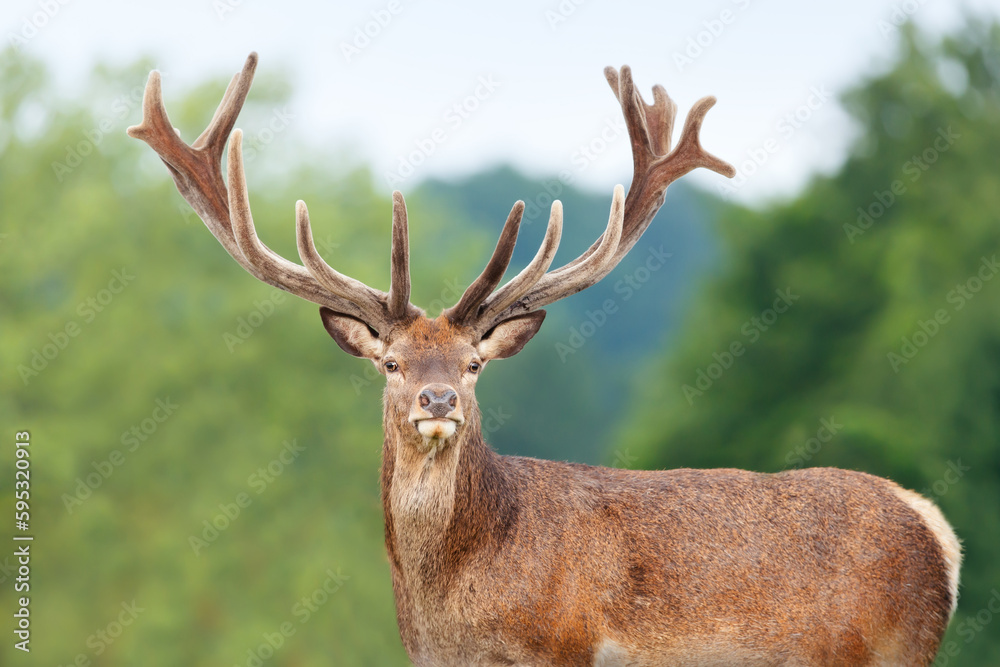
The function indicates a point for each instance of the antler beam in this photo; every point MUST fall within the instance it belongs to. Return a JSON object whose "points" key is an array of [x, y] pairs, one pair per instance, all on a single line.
{"points": [[655, 166], [197, 172]]}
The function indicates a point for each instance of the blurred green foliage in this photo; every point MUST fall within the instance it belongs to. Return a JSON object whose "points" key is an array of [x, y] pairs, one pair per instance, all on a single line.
{"points": [[888, 360], [118, 302], [108, 272]]}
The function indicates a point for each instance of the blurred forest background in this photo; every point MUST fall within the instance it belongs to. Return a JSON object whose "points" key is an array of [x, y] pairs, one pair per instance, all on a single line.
{"points": [[165, 389]]}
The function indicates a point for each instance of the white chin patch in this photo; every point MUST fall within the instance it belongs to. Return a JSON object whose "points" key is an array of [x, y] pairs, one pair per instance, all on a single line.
{"points": [[438, 429]]}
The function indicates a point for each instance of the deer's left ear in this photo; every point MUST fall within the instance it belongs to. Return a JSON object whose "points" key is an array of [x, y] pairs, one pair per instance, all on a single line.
{"points": [[352, 335], [507, 338]]}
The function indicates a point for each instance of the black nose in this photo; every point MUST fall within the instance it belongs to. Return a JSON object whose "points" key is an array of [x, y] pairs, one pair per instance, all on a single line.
{"points": [[438, 400]]}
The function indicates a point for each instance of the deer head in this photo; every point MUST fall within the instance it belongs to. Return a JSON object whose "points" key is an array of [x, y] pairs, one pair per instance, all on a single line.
{"points": [[431, 365]]}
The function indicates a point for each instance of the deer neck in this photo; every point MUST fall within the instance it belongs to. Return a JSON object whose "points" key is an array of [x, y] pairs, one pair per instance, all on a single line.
{"points": [[440, 500]]}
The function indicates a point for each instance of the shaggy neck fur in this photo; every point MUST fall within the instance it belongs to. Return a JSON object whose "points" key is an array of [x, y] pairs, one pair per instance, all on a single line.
{"points": [[444, 502]]}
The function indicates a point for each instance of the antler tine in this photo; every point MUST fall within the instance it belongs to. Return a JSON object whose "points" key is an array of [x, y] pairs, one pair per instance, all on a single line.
{"points": [[155, 127], [157, 131], [689, 154], [520, 284], [197, 172], [568, 280], [467, 307], [651, 125], [633, 107], [650, 130], [399, 287], [655, 167], [562, 282], [370, 301], [276, 270], [661, 116], [224, 118], [268, 262]]}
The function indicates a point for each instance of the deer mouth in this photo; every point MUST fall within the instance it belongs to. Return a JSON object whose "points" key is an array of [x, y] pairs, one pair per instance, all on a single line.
{"points": [[437, 428]]}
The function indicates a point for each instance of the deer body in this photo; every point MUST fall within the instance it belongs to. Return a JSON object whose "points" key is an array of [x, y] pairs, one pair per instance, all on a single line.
{"points": [[514, 561], [501, 560], [528, 562]]}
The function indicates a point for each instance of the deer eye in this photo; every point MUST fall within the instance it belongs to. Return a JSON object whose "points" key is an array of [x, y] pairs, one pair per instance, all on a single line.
{"points": [[474, 367], [391, 366]]}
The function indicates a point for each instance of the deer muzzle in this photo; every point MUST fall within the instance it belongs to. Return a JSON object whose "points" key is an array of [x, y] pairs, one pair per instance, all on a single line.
{"points": [[436, 411]]}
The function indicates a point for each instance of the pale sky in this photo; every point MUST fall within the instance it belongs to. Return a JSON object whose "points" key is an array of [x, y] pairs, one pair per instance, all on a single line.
{"points": [[383, 77]]}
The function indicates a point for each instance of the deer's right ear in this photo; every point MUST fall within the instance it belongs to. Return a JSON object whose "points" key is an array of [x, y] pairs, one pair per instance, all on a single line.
{"points": [[507, 338], [352, 335]]}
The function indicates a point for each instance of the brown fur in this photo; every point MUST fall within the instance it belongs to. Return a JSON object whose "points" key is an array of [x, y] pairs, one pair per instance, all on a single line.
{"points": [[515, 561]]}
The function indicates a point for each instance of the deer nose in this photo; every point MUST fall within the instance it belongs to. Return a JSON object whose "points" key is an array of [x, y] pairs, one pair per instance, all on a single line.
{"points": [[438, 399]]}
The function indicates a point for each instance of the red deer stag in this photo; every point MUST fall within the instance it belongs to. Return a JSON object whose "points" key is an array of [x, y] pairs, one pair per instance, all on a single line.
{"points": [[500, 560]]}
